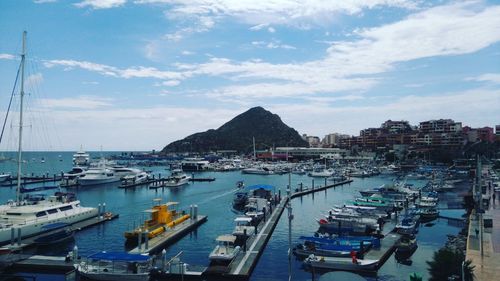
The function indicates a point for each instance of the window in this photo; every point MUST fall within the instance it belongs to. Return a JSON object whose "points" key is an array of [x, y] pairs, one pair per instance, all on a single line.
{"points": [[52, 211], [65, 208], [41, 214], [13, 214]]}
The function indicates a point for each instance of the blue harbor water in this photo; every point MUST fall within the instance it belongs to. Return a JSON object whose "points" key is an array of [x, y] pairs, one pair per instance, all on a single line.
{"points": [[214, 200]]}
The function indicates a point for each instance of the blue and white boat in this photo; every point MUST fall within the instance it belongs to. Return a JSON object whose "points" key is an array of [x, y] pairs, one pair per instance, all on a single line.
{"points": [[115, 266], [59, 232]]}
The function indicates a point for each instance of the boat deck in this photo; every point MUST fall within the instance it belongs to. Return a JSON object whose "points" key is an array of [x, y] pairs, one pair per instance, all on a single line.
{"points": [[30, 241], [156, 244]]}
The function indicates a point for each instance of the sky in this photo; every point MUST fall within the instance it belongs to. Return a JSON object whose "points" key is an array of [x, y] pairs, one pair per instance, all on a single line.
{"points": [[139, 74]]}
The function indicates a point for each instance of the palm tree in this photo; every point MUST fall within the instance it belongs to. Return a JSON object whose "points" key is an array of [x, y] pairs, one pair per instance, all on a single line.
{"points": [[446, 263]]}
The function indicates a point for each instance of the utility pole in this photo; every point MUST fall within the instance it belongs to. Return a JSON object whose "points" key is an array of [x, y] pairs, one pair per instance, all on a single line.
{"points": [[290, 218]]}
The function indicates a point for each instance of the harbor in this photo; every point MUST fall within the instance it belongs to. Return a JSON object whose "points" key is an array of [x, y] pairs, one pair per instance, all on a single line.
{"points": [[191, 238]]}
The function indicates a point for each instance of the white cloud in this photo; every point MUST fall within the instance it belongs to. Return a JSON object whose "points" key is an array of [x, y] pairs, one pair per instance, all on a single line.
{"points": [[487, 77], [6, 57], [258, 26], [187, 53], [476, 108], [274, 44], [44, 1], [271, 29], [132, 72], [90, 83], [203, 24], [81, 102], [171, 83], [283, 12], [100, 4], [454, 29], [34, 80]]}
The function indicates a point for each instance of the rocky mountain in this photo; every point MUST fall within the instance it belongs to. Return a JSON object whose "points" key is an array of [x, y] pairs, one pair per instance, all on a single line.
{"points": [[266, 127]]}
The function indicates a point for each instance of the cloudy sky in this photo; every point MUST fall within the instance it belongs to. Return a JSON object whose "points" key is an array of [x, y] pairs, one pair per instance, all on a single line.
{"points": [[138, 74]]}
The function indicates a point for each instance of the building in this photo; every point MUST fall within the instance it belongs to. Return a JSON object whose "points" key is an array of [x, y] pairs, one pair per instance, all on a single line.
{"points": [[333, 140], [311, 152], [497, 133], [396, 127], [479, 134], [440, 126], [313, 141]]}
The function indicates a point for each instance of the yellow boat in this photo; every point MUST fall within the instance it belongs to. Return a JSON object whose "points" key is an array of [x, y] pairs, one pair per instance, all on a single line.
{"points": [[163, 217]]}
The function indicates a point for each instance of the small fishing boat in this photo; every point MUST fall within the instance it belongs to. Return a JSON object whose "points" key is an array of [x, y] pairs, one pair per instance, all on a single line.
{"points": [[226, 250], [428, 214], [408, 225], [243, 224], [115, 266], [336, 263], [406, 246], [240, 199]]}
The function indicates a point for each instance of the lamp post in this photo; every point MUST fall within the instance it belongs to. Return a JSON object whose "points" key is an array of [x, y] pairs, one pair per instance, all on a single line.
{"points": [[290, 218]]}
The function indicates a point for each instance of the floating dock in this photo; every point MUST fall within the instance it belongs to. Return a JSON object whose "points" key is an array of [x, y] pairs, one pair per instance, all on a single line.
{"points": [[31, 180], [387, 247], [158, 243], [313, 189], [37, 263]]}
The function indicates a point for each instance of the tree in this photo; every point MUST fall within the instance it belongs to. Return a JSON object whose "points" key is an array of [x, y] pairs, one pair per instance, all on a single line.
{"points": [[446, 263]]}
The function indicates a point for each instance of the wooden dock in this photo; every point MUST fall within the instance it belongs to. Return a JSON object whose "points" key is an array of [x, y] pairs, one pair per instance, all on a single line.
{"points": [[387, 247], [131, 185], [313, 189], [244, 263], [158, 243], [31, 180], [37, 263]]}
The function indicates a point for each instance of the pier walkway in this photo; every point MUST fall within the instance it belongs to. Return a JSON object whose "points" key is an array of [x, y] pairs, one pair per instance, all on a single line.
{"points": [[487, 261]]}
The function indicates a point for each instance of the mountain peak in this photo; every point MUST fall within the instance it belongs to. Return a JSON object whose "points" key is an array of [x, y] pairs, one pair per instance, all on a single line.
{"points": [[237, 134]]}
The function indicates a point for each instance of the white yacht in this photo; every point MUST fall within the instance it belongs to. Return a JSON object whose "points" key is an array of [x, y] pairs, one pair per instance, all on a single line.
{"points": [[4, 177], [76, 172], [135, 179], [177, 178], [121, 171], [81, 158], [225, 251], [321, 173], [96, 176], [257, 171], [31, 218]]}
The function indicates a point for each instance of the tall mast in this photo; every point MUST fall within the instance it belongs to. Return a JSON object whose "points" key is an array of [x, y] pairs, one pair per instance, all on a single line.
{"points": [[20, 147], [254, 157]]}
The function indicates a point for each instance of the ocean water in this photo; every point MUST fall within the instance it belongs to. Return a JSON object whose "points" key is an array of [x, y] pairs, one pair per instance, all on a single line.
{"points": [[214, 200]]}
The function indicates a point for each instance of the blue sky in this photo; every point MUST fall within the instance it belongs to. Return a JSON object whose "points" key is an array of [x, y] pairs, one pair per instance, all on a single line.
{"points": [[138, 74]]}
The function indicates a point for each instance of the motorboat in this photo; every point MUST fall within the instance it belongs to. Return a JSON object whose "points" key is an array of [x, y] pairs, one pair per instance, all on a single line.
{"points": [[163, 218], [336, 263], [75, 172], [335, 224], [176, 178], [406, 246], [243, 225], [257, 171], [120, 171], [256, 207], [321, 173], [97, 176], [32, 217], [240, 199], [115, 266], [407, 225], [81, 158], [4, 177], [225, 251], [141, 177], [428, 214], [195, 164]]}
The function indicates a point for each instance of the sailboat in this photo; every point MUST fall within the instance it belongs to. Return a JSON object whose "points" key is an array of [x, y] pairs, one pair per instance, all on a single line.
{"points": [[30, 216]]}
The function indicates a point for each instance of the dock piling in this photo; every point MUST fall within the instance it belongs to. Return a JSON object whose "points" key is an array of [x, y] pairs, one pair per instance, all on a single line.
{"points": [[146, 244], [163, 258], [244, 240], [99, 211], [75, 253], [12, 236], [139, 241], [195, 211], [103, 208], [19, 236]]}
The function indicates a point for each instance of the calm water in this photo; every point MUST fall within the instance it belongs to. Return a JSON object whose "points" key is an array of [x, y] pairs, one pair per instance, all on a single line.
{"points": [[214, 199]]}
